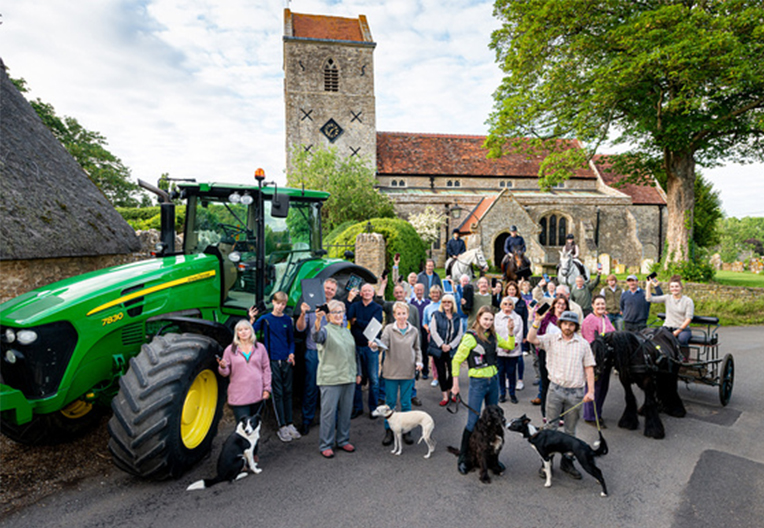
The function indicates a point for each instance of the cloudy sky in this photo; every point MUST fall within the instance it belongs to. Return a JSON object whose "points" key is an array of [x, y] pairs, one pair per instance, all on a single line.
{"points": [[195, 87]]}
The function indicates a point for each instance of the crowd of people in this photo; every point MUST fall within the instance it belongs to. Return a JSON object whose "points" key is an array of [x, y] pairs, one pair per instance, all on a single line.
{"points": [[492, 326]]}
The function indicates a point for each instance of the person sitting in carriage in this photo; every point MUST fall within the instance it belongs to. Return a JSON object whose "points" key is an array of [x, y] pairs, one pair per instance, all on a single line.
{"points": [[514, 242]]}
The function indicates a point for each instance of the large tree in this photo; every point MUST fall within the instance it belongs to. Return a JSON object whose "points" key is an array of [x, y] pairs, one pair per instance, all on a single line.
{"points": [[680, 82], [350, 180], [103, 168]]}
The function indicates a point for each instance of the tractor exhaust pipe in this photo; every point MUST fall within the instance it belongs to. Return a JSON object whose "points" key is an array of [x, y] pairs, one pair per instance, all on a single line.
{"points": [[166, 216]]}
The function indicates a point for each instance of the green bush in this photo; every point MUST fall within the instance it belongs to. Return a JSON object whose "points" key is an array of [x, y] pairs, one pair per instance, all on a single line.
{"points": [[400, 237], [337, 231], [697, 269], [143, 218]]}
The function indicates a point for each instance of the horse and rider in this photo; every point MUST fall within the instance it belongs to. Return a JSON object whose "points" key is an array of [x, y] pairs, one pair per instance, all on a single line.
{"points": [[515, 265], [459, 261]]}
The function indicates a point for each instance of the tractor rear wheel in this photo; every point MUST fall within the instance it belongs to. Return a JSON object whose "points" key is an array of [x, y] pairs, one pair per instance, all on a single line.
{"points": [[168, 407]]}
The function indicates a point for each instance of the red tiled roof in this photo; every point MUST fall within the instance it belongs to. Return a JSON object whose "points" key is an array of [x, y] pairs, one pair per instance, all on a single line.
{"points": [[640, 194], [476, 214], [327, 27], [451, 155]]}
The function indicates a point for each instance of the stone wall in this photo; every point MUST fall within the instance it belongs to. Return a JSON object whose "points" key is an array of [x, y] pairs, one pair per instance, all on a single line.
{"points": [[21, 276], [370, 252], [309, 107]]}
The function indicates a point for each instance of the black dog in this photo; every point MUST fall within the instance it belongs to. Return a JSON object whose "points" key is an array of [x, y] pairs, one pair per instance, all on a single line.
{"points": [[237, 454], [546, 442], [485, 443]]}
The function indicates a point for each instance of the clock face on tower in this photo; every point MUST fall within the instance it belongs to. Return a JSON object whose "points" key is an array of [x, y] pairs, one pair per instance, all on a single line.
{"points": [[331, 130]]}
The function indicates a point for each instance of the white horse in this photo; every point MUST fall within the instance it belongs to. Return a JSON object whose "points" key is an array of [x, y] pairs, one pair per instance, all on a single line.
{"points": [[458, 266], [568, 270]]}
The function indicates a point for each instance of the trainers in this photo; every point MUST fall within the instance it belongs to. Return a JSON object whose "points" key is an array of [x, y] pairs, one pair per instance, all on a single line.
{"points": [[520, 385], [434, 383], [283, 434], [293, 432]]}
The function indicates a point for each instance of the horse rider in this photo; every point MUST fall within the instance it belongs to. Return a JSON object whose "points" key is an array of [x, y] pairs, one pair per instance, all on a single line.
{"points": [[571, 250], [454, 248], [514, 242]]}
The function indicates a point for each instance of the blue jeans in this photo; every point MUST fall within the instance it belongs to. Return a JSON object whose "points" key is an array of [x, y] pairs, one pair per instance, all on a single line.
{"points": [[616, 320], [392, 388], [507, 370], [370, 367], [481, 390], [310, 394]]}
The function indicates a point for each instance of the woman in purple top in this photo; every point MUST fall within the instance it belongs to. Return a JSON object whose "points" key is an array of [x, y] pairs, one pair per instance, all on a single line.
{"points": [[597, 323], [246, 362]]}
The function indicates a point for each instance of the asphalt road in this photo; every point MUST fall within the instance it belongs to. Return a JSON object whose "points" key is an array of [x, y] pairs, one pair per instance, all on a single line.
{"points": [[708, 471]]}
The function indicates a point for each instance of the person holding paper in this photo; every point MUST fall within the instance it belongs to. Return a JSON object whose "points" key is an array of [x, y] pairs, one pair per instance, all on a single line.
{"points": [[403, 357]]}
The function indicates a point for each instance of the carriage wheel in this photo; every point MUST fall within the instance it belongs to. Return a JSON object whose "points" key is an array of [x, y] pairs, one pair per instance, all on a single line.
{"points": [[727, 379]]}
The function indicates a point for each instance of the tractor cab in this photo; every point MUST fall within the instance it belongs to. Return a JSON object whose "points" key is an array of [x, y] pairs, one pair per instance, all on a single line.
{"points": [[261, 236]]}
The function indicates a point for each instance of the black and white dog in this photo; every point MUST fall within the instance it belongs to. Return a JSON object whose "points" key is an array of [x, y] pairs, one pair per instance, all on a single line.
{"points": [[237, 454], [546, 442]]}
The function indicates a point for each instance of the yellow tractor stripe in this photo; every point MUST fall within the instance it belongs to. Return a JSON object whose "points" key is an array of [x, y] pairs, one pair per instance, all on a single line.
{"points": [[152, 289]]}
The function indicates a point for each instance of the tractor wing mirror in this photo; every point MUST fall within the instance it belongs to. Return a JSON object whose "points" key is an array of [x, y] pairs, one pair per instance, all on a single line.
{"points": [[279, 206]]}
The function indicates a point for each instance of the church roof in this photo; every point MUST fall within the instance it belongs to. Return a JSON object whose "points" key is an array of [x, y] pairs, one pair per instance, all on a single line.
{"points": [[477, 213], [322, 27], [48, 205], [401, 153], [640, 194]]}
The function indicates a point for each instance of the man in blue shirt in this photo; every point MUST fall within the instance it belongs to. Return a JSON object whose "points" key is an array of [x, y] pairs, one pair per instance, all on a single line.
{"points": [[360, 315], [634, 307], [428, 277]]}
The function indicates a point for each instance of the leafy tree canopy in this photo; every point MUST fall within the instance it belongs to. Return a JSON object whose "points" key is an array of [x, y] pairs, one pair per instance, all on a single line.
{"points": [[680, 81], [735, 234], [350, 180], [89, 149]]}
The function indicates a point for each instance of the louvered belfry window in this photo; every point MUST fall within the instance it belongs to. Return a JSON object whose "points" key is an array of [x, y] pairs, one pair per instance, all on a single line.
{"points": [[331, 77]]}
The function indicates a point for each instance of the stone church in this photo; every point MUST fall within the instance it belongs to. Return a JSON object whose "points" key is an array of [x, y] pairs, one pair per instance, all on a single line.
{"points": [[329, 96]]}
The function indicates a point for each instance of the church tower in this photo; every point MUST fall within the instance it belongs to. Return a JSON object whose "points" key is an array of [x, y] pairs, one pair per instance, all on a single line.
{"points": [[329, 85]]}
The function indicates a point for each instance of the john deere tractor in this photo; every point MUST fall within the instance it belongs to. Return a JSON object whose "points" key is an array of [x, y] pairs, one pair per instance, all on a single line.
{"points": [[143, 337]]}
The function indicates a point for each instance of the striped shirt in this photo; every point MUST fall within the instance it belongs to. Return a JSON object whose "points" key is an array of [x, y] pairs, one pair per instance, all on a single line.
{"points": [[566, 360]]}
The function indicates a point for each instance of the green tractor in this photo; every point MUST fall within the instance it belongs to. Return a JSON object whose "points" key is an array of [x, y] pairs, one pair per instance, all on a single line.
{"points": [[143, 337]]}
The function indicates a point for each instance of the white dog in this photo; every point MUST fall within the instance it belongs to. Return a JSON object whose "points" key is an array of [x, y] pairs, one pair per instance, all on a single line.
{"points": [[403, 422]]}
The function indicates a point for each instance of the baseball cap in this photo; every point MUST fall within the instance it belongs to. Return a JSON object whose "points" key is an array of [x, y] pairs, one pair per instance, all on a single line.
{"points": [[631, 277]]}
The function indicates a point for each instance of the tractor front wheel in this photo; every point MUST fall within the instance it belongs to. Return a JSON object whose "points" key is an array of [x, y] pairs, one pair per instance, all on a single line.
{"points": [[168, 407]]}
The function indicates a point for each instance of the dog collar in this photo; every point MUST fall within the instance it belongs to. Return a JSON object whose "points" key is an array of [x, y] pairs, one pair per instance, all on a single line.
{"points": [[389, 415]]}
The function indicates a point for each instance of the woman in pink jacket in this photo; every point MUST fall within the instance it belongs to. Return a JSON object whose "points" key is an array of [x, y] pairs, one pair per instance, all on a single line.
{"points": [[246, 362]]}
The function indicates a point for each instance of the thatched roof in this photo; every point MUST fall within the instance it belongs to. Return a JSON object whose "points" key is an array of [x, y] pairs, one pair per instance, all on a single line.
{"points": [[48, 206]]}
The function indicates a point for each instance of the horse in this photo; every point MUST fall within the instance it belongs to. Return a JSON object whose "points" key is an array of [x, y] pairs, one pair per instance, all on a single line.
{"points": [[568, 269], [458, 266], [651, 361], [517, 267]]}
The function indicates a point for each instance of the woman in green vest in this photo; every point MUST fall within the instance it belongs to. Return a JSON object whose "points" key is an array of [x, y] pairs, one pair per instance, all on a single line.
{"points": [[336, 377]]}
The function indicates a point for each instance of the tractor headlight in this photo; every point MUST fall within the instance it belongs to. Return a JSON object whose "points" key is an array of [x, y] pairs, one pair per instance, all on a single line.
{"points": [[10, 357], [234, 197], [234, 256], [247, 199], [26, 337], [10, 335]]}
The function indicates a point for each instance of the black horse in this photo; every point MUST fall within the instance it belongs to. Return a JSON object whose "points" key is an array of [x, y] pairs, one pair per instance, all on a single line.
{"points": [[516, 267], [651, 361]]}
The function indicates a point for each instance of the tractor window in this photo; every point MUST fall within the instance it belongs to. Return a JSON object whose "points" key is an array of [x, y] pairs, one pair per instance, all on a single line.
{"points": [[288, 241]]}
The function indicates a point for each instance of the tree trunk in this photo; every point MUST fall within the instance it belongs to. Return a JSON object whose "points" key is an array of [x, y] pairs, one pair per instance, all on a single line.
{"points": [[680, 190]]}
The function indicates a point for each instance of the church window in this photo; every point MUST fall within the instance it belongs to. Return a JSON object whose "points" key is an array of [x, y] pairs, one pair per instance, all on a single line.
{"points": [[554, 229], [402, 183], [331, 76], [501, 184], [395, 183], [450, 183], [457, 183]]}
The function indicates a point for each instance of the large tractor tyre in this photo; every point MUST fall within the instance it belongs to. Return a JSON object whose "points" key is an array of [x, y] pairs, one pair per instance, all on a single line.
{"points": [[168, 407], [70, 423]]}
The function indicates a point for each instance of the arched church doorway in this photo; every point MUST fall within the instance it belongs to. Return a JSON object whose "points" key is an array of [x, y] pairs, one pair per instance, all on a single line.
{"points": [[498, 249]]}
